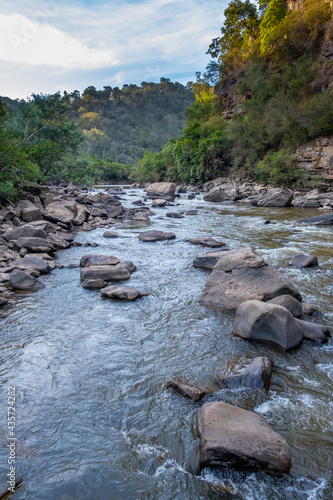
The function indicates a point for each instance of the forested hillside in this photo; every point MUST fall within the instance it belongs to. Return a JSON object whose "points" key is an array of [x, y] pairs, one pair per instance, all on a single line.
{"points": [[275, 92], [85, 138]]}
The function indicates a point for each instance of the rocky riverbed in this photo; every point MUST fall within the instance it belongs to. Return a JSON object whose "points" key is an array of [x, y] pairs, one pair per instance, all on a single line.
{"points": [[133, 350]]}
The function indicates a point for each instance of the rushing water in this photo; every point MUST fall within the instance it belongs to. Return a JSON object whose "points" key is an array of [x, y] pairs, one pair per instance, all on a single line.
{"points": [[94, 420]]}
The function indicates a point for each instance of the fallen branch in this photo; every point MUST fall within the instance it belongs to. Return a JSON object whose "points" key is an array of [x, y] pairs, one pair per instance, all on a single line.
{"points": [[5, 493]]}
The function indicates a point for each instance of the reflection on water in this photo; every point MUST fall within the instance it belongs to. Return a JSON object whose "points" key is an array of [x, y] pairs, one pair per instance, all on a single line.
{"points": [[94, 419]]}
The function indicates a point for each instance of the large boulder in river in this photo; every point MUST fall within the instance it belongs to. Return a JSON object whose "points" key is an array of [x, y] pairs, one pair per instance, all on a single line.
{"points": [[257, 320], [121, 293], [225, 192], [107, 273], [275, 197], [319, 220], [22, 281], [98, 260], [233, 437], [165, 190], [32, 263], [241, 275], [153, 235], [57, 212], [255, 372], [301, 260]]}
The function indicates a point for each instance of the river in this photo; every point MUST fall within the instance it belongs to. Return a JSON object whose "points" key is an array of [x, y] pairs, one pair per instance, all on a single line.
{"points": [[93, 418]]}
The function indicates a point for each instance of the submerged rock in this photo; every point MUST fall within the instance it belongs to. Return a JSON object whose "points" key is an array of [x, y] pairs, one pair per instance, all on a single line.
{"points": [[153, 236], [257, 320], [174, 215], [206, 242], [255, 372], [233, 437], [122, 293], [22, 281], [188, 391], [241, 275], [302, 260]]}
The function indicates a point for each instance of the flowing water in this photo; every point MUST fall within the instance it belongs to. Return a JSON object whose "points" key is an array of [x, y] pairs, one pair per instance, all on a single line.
{"points": [[94, 420]]}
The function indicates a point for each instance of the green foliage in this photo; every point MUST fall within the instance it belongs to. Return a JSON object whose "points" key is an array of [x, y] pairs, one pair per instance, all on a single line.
{"points": [[274, 14], [280, 169]]}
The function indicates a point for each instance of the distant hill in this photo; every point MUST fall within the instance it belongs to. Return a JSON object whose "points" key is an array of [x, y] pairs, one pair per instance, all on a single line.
{"points": [[11, 104]]}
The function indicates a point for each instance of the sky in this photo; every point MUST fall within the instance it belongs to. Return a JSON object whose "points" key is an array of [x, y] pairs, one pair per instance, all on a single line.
{"points": [[48, 46]]}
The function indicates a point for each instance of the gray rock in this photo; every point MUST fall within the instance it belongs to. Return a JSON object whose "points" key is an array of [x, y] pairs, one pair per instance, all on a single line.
{"points": [[206, 242], [110, 234], [3, 301], [107, 273], [94, 284], [192, 212], [319, 220], [225, 192], [141, 217], [26, 231], [255, 372], [275, 197], [153, 235], [159, 203], [57, 212], [29, 212], [165, 190], [22, 281], [257, 320], [209, 259], [36, 245], [302, 260], [174, 215], [316, 333], [82, 215], [98, 260], [32, 263], [130, 266], [4, 277], [289, 302], [233, 437], [241, 275], [310, 310], [188, 391], [122, 293]]}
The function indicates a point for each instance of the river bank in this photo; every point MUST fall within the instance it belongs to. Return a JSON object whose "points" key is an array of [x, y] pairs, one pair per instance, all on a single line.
{"points": [[143, 435]]}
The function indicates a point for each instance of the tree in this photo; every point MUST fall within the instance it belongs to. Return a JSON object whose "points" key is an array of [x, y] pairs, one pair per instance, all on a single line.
{"points": [[275, 12]]}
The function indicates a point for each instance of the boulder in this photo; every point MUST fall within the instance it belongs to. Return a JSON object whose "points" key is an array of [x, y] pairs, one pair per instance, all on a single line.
{"points": [[82, 215], [275, 197], [225, 192], [29, 212], [122, 293], [188, 391], [32, 263], [319, 220], [192, 212], [233, 437], [159, 203], [302, 260], [153, 235], [316, 333], [141, 217], [130, 266], [3, 301], [26, 231], [107, 273], [94, 284], [44, 225], [209, 259], [36, 245], [255, 372], [174, 215], [4, 277], [98, 260], [57, 212], [206, 242], [110, 211], [257, 320], [110, 234], [310, 310], [165, 190], [22, 281], [290, 303], [241, 275], [106, 199]]}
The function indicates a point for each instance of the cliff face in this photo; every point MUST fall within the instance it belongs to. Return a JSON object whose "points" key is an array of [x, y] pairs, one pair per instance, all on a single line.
{"points": [[318, 158], [294, 4]]}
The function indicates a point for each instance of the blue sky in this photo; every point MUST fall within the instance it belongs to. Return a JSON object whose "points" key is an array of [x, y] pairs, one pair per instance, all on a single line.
{"points": [[52, 45]]}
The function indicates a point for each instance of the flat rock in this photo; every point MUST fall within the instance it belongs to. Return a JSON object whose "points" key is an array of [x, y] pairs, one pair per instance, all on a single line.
{"points": [[107, 273], [94, 284], [233, 437], [192, 212], [98, 260], [255, 372], [141, 217], [206, 242], [257, 320], [302, 260], [314, 332], [209, 259], [290, 303], [110, 234], [122, 293], [26, 231], [319, 220], [241, 275], [188, 391], [29, 263], [174, 215], [57, 212], [36, 245], [19, 280], [153, 235], [3, 301]]}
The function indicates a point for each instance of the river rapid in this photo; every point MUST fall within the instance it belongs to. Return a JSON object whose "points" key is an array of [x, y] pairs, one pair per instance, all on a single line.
{"points": [[93, 418]]}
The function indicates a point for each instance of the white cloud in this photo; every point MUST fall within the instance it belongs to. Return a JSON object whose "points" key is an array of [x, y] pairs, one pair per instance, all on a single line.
{"points": [[25, 41]]}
